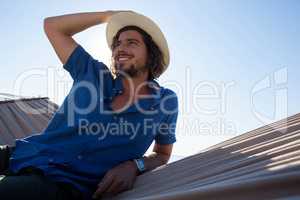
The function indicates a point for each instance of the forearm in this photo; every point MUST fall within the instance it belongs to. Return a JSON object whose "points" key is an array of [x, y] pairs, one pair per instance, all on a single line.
{"points": [[60, 30], [74, 23], [123, 176]]}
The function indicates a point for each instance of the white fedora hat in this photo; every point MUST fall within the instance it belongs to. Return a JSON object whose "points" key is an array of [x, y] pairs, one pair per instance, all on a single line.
{"points": [[129, 18]]}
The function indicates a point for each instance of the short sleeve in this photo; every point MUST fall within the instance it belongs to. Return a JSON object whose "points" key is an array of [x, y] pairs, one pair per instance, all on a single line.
{"points": [[80, 62], [167, 128]]}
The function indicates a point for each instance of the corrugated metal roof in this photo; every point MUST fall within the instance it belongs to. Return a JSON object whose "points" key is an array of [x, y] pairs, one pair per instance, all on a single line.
{"points": [[260, 164], [22, 117]]}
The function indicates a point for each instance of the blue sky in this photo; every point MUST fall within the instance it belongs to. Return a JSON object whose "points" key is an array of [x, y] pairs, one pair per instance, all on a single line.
{"points": [[238, 45]]}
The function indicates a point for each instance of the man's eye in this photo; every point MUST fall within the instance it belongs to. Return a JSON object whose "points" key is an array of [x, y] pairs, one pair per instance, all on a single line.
{"points": [[132, 43]]}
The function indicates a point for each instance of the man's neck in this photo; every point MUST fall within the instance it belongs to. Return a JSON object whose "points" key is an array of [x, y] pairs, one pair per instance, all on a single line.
{"points": [[135, 86]]}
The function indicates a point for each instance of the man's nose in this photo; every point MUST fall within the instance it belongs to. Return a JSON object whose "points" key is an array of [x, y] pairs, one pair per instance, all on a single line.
{"points": [[122, 47]]}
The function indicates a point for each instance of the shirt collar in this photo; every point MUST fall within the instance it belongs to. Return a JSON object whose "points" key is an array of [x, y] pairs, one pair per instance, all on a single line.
{"points": [[149, 103], [154, 86]]}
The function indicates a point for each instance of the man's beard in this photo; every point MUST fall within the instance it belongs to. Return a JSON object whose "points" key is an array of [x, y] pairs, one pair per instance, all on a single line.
{"points": [[132, 71]]}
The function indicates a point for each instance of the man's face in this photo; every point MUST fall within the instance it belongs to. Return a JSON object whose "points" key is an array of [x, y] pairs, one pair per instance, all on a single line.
{"points": [[130, 53]]}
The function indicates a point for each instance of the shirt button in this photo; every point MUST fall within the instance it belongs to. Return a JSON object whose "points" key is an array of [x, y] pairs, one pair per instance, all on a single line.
{"points": [[79, 157], [151, 108], [120, 92], [50, 160]]}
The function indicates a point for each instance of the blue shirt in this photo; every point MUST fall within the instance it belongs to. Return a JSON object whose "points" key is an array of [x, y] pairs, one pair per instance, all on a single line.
{"points": [[86, 137]]}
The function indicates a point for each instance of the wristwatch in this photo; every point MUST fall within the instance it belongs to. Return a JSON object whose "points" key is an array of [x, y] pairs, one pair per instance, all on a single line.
{"points": [[140, 163]]}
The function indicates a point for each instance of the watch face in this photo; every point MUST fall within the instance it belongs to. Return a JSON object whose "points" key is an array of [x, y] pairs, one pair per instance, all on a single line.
{"points": [[140, 164]]}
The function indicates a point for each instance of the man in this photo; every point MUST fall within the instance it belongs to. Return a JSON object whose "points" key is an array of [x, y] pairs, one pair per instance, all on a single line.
{"points": [[94, 144]]}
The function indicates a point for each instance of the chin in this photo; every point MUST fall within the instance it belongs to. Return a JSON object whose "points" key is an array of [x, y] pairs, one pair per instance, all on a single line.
{"points": [[125, 66]]}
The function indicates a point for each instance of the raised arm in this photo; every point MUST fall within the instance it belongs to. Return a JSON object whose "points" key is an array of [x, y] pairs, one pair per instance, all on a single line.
{"points": [[60, 29]]}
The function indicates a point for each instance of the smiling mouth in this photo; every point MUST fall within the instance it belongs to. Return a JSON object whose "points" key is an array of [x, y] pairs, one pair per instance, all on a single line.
{"points": [[123, 58]]}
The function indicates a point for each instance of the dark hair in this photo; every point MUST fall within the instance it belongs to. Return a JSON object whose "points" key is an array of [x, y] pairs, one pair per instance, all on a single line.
{"points": [[155, 60]]}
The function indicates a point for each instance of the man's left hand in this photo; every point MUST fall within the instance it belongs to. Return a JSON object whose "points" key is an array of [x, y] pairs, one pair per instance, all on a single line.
{"points": [[118, 179]]}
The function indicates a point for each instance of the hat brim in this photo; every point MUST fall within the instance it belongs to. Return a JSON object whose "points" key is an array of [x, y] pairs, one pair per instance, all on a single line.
{"points": [[122, 19]]}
